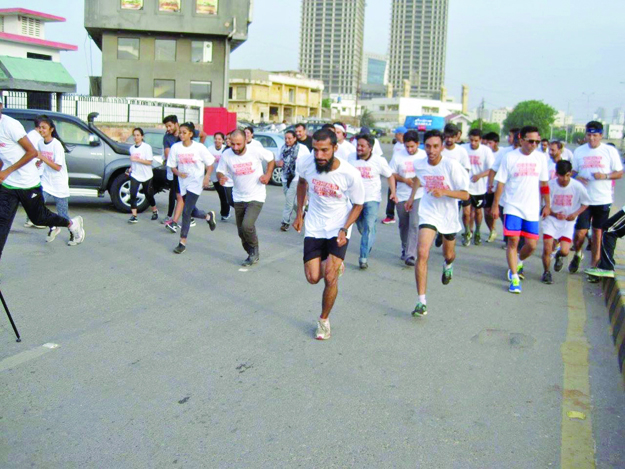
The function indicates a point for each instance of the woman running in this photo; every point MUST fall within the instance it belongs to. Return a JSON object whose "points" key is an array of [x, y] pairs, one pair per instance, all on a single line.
{"points": [[141, 174], [225, 191]]}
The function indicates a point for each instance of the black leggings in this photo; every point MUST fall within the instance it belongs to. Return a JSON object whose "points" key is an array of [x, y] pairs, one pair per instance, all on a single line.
{"points": [[390, 206], [189, 211], [148, 190], [225, 198], [34, 205], [174, 189]]}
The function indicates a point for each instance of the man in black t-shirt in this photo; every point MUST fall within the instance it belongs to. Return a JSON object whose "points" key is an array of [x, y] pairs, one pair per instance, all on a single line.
{"points": [[303, 137]]}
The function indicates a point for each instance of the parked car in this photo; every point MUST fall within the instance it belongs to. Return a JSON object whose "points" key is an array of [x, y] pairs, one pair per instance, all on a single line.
{"points": [[272, 142], [96, 164]]}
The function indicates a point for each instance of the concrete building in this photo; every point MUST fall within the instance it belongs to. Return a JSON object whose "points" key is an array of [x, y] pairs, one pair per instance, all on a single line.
{"points": [[562, 119], [167, 48], [29, 63], [615, 131], [261, 96], [618, 116], [418, 46], [331, 44], [395, 110], [374, 69], [498, 116]]}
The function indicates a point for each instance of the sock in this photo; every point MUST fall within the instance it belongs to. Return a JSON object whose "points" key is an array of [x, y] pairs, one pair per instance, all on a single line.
{"points": [[422, 299], [448, 266], [515, 277], [519, 261]]}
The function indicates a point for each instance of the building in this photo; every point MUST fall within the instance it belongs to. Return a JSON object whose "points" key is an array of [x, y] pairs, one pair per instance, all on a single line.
{"points": [[615, 131], [30, 65], [462, 122], [167, 48], [498, 116], [418, 46], [374, 69], [618, 116], [395, 110], [331, 44], [261, 96], [562, 119]]}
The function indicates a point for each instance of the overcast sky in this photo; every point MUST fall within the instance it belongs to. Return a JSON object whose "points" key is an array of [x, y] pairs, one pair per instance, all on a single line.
{"points": [[505, 51]]}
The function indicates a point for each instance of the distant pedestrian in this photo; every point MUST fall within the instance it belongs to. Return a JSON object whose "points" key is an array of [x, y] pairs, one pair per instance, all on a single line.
{"points": [[225, 191], [141, 174], [303, 137], [390, 204], [345, 148]]}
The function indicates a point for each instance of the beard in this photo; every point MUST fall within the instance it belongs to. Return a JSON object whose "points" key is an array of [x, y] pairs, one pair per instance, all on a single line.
{"points": [[326, 168], [239, 152]]}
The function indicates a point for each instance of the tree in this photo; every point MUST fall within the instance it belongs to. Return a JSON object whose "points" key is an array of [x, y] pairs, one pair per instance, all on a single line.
{"points": [[367, 119], [326, 103], [559, 134], [487, 127], [534, 113], [578, 137]]}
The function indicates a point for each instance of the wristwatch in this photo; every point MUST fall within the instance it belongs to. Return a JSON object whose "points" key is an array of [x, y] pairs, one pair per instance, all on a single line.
{"points": [[344, 230]]}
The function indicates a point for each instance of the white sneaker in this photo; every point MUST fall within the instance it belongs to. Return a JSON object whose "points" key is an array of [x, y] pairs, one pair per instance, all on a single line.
{"points": [[323, 329], [77, 231], [54, 231], [30, 224]]}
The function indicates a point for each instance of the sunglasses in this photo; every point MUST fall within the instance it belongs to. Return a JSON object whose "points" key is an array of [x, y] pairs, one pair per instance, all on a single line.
{"points": [[532, 142]]}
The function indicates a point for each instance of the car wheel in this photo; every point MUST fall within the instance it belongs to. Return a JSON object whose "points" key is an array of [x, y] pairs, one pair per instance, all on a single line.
{"points": [[276, 177], [120, 195]]}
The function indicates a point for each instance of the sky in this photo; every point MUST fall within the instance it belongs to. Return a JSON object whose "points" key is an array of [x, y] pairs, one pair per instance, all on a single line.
{"points": [[567, 53]]}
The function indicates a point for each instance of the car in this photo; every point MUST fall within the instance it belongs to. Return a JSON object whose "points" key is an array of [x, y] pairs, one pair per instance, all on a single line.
{"points": [[272, 142], [96, 164]]}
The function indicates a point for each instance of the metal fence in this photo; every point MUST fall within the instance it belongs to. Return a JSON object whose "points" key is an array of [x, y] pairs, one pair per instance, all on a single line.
{"points": [[111, 110]]}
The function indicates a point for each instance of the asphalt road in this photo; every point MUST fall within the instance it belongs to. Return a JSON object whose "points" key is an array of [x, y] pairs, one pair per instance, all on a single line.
{"points": [[154, 359]]}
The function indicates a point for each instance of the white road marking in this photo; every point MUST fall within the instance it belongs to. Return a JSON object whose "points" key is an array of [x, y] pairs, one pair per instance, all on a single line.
{"points": [[12, 362]]}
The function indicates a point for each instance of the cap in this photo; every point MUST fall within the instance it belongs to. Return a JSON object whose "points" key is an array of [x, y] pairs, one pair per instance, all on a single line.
{"points": [[365, 130], [400, 130]]}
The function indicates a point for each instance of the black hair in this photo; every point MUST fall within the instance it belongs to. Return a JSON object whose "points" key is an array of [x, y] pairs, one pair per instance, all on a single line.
{"points": [[190, 126], [37, 121], [325, 134], [220, 133], [250, 128], [45, 119], [492, 136], [329, 127], [451, 129], [171, 118], [563, 167], [139, 129], [292, 132], [300, 124], [528, 129], [544, 140], [411, 136], [475, 133], [368, 138], [433, 133], [514, 130], [557, 143], [594, 125]]}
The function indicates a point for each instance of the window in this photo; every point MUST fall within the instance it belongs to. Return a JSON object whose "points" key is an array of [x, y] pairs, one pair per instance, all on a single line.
{"points": [[201, 51], [127, 48], [127, 87], [230, 90], [241, 93], [165, 50], [172, 6], [266, 141], [164, 88], [30, 26], [32, 55], [291, 96], [206, 7], [132, 4], [71, 133], [201, 90]]}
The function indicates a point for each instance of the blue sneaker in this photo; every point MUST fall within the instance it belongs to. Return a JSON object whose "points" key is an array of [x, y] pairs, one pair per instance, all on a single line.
{"points": [[515, 286]]}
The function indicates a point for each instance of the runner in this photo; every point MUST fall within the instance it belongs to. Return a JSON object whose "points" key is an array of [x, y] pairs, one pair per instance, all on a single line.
{"points": [[445, 182], [520, 175], [481, 159], [377, 148], [544, 146], [336, 195], [35, 137], [555, 155], [390, 205], [302, 137], [287, 158], [595, 165], [20, 183], [492, 140], [141, 174], [224, 192], [344, 147], [244, 164], [371, 167], [403, 164], [612, 230], [452, 134], [249, 138], [568, 199], [192, 163]]}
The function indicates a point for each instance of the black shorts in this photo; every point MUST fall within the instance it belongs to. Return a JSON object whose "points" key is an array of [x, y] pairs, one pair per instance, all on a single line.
{"points": [[322, 247], [448, 237], [475, 201], [596, 215], [490, 198]]}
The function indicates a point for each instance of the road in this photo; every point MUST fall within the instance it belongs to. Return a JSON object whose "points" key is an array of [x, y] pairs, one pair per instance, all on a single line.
{"points": [[133, 356]]}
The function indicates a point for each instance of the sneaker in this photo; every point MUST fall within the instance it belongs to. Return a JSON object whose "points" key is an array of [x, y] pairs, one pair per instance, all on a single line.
{"points": [[547, 278], [284, 227], [388, 221], [154, 216], [492, 236], [193, 222], [363, 264], [323, 330], [133, 219], [165, 220], [515, 286], [211, 220], [448, 273], [439, 240], [575, 262], [559, 263], [30, 224], [466, 239], [78, 232], [410, 261], [600, 273], [252, 259], [403, 255], [54, 231], [478, 239], [227, 217], [420, 310], [172, 226], [592, 279], [519, 270], [180, 248]]}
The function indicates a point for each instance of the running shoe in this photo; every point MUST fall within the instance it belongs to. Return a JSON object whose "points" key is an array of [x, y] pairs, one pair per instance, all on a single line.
{"points": [[78, 231], [284, 227], [165, 220], [439, 240], [575, 262], [592, 279], [478, 239], [492, 236], [323, 330], [211, 220], [600, 273], [54, 231], [559, 263], [154, 215], [133, 219], [172, 226], [180, 248], [363, 264], [388, 221], [193, 222], [547, 278], [252, 258], [466, 239], [515, 286], [30, 224], [410, 261], [448, 273], [519, 270], [420, 310], [224, 218], [403, 255]]}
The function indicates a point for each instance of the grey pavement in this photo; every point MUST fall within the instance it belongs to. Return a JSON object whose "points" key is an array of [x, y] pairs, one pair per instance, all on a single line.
{"points": [[187, 361]]}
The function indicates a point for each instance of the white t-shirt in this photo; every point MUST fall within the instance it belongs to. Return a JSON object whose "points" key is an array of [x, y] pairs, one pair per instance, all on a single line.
{"points": [[217, 154], [345, 149], [441, 212], [370, 171], [603, 159], [377, 148], [54, 182], [35, 137], [302, 152], [403, 164], [480, 160], [567, 199], [245, 171], [398, 147], [567, 154], [192, 161], [522, 175], [11, 152], [255, 143], [139, 171], [330, 197], [460, 155]]}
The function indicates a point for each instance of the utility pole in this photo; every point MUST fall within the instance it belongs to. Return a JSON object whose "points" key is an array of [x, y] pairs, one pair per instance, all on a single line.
{"points": [[481, 114]]}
